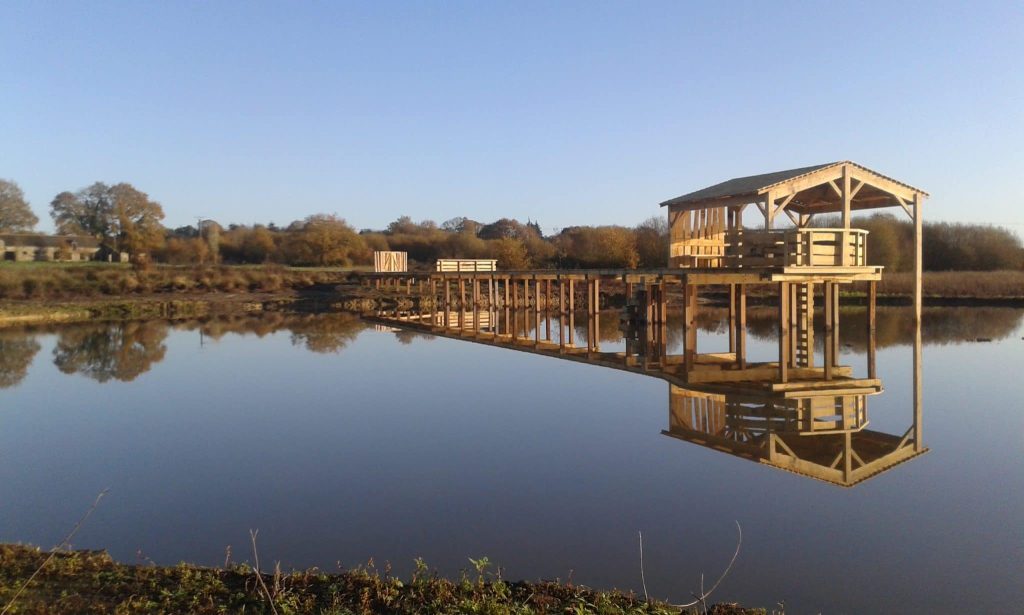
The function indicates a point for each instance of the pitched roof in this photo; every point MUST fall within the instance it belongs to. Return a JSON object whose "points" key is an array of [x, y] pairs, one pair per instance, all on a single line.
{"points": [[37, 240], [756, 184]]}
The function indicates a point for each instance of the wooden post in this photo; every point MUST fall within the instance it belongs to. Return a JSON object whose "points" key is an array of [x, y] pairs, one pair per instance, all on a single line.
{"points": [[872, 295], [829, 289], [561, 295], [845, 258], [447, 304], [732, 319], [918, 260], [794, 324], [784, 332], [662, 303], [572, 312], [741, 326], [836, 347], [689, 325], [462, 304]]}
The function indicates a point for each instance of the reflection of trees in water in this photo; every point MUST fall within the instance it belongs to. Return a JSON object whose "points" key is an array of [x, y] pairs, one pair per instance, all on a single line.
{"points": [[325, 333], [328, 332], [119, 351], [406, 336], [895, 325], [17, 350]]}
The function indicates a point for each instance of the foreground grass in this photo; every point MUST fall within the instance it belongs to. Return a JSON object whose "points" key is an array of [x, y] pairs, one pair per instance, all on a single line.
{"points": [[91, 582]]}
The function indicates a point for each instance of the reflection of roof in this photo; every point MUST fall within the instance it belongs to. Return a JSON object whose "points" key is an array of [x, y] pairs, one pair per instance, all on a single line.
{"points": [[37, 240], [754, 185]]}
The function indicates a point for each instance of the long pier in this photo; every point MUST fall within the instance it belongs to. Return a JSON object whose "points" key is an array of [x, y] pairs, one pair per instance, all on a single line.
{"points": [[567, 292]]}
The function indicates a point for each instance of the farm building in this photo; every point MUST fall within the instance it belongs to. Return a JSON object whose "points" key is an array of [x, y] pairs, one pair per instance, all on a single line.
{"points": [[25, 247]]}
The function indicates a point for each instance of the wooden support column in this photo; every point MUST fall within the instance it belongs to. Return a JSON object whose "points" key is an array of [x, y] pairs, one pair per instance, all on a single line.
{"points": [[689, 325], [794, 323], [462, 303], [872, 296], [918, 261], [561, 296], [547, 295], [732, 318], [662, 303], [829, 289], [447, 303], [847, 198], [741, 326], [572, 312], [836, 346], [784, 348], [536, 311]]}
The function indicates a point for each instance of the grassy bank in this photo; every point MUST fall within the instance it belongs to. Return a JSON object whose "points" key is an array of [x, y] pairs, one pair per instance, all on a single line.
{"points": [[91, 582], [58, 281], [990, 285]]}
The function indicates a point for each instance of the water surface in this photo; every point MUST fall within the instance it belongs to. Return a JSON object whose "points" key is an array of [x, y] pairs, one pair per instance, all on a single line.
{"points": [[343, 441]]}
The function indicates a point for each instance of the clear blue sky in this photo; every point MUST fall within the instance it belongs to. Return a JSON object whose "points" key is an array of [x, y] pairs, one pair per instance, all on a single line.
{"points": [[560, 112]]}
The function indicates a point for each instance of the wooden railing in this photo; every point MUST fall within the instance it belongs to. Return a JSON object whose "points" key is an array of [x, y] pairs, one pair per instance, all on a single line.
{"points": [[811, 247], [466, 264]]}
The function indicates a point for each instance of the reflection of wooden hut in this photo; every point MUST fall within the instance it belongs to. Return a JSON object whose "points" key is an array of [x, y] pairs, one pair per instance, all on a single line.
{"points": [[24, 247], [816, 433]]}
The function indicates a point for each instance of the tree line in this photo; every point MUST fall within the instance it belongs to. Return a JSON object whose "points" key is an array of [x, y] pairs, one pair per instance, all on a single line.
{"points": [[127, 219]]}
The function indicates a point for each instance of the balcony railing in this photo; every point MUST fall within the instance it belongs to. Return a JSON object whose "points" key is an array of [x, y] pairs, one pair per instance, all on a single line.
{"points": [[811, 247]]}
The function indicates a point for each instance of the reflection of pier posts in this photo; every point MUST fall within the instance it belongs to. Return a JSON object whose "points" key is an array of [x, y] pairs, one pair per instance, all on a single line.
{"points": [[689, 324], [918, 391], [784, 316]]}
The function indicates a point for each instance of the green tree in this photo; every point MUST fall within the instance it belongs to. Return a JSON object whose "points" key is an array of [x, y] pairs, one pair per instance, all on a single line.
{"points": [[15, 214]]}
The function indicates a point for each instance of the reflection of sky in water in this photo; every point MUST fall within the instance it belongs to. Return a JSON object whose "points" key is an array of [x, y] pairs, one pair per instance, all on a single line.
{"points": [[442, 449]]}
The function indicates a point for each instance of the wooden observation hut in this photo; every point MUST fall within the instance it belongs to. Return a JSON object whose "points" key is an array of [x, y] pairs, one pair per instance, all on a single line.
{"points": [[707, 226]]}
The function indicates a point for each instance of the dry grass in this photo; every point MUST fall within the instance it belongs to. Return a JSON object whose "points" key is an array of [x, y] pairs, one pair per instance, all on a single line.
{"points": [[68, 282]]}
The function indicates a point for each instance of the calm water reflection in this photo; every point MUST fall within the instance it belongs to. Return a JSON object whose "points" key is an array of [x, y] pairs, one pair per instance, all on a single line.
{"points": [[343, 440]]}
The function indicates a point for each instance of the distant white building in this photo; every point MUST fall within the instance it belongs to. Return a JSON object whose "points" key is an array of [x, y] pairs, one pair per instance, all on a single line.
{"points": [[25, 247]]}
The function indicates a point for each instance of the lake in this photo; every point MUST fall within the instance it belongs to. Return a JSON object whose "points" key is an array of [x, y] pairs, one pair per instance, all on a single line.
{"points": [[344, 441]]}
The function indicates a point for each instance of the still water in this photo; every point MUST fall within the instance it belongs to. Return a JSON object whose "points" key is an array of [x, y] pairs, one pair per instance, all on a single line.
{"points": [[344, 441]]}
